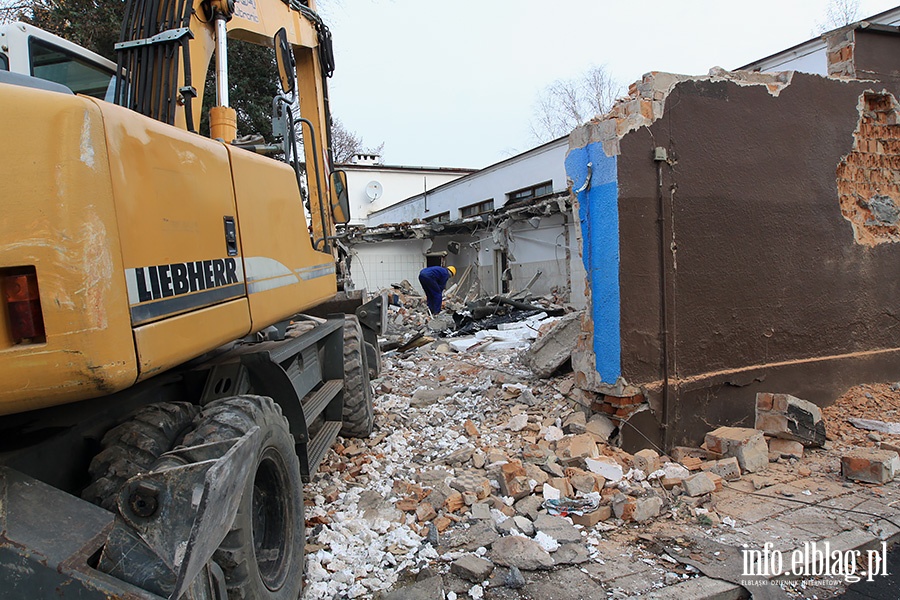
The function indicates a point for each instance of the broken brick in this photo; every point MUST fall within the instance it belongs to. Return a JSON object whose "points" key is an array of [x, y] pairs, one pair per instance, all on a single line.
{"points": [[425, 512], [623, 506], [691, 463], [442, 523], [870, 466], [592, 518], [646, 460], [514, 480], [679, 453], [787, 417], [454, 502]]}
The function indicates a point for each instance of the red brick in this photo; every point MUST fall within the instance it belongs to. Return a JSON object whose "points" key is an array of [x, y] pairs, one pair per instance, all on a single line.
{"points": [[870, 466]]}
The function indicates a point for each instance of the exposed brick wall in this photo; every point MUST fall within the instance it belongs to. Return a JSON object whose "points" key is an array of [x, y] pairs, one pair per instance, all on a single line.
{"points": [[868, 179], [840, 48]]}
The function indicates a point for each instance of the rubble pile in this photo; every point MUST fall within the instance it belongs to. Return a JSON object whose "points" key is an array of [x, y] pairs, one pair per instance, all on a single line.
{"points": [[501, 322], [483, 479], [879, 403]]}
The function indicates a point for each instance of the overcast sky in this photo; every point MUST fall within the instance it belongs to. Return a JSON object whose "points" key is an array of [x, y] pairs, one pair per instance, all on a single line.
{"points": [[453, 83]]}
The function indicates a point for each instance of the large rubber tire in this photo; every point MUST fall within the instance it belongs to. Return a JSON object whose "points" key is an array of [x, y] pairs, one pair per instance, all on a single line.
{"points": [[263, 554], [359, 412], [133, 446]]}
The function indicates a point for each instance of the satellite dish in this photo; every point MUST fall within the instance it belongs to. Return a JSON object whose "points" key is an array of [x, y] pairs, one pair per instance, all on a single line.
{"points": [[374, 190]]}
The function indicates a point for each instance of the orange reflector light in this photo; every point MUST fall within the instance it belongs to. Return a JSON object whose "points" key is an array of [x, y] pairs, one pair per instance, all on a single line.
{"points": [[23, 304]]}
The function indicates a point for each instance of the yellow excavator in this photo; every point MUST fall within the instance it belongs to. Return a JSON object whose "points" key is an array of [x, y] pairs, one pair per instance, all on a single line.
{"points": [[177, 353]]}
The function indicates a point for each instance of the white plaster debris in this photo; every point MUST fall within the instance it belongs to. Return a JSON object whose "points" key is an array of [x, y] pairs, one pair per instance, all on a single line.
{"points": [[548, 543], [358, 556]]}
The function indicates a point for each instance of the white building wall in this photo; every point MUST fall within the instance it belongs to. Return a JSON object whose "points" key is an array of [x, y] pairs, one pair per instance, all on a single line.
{"points": [[810, 57], [545, 163], [396, 184]]}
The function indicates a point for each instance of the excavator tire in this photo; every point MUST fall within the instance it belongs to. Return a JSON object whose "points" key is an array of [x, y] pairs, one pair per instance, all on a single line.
{"points": [[263, 554], [133, 446], [359, 412]]}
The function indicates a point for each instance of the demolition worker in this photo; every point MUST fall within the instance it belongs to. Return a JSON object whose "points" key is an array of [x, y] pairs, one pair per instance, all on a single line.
{"points": [[433, 280]]}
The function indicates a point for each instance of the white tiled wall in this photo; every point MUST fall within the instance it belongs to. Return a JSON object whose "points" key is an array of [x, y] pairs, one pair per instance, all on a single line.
{"points": [[377, 266]]}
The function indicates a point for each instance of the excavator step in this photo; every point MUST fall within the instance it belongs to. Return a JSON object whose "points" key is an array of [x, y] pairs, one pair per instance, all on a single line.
{"points": [[317, 402], [319, 447]]}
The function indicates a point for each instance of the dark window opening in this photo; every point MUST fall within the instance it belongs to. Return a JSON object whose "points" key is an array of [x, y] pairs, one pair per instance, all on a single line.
{"points": [[444, 217], [479, 208], [4, 63], [535, 191]]}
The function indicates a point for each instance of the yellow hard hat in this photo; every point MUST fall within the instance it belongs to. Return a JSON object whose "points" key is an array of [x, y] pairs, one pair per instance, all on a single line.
{"points": [[452, 271]]}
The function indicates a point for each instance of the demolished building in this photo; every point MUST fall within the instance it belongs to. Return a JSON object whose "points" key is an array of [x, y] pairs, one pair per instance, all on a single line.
{"points": [[740, 235]]}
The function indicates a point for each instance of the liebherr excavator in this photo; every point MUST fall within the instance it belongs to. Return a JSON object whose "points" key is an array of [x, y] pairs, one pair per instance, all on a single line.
{"points": [[175, 357]]}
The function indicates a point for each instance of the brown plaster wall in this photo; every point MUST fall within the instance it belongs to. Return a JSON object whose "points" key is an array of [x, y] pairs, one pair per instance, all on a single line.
{"points": [[766, 287], [875, 56]]}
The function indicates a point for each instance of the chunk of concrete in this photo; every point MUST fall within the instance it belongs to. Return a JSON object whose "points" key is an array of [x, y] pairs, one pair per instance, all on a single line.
{"points": [[551, 350], [747, 445], [786, 448], [647, 508], [699, 484], [558, 528], [601, 427], [521, 552], [472, 568]]}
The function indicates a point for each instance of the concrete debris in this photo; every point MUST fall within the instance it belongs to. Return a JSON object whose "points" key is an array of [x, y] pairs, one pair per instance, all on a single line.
{"points": [[554, 346], [472, 568], [478, 472], [521, 552], [699, 484], [747, 445]]}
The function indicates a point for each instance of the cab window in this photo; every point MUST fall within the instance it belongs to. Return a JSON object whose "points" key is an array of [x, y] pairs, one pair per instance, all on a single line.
{"points": [[76, 73], [4, 63]]}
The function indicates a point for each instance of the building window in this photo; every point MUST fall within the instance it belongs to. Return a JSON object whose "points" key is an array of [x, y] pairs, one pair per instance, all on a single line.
{"points": [[476, 209], [535, 191], [444, 217]]}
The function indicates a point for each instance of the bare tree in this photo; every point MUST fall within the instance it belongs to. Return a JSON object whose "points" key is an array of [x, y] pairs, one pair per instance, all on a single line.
{"points": [[567, 103], [839, 13], [346, 143], [11, 9]]}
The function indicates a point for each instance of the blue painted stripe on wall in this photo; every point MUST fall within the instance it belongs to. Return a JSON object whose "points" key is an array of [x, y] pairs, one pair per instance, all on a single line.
{"points": [[599, 216]]}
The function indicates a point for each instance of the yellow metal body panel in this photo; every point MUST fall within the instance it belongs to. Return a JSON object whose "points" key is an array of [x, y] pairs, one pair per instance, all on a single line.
{"points": [[164, 344], [284, 274], [57, 214], [173, 192]]}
